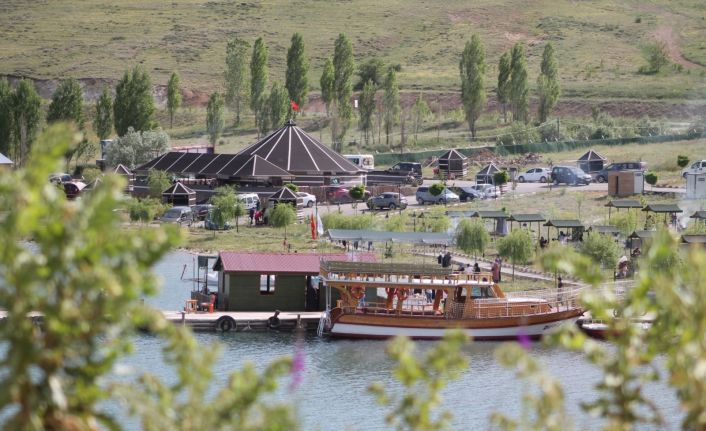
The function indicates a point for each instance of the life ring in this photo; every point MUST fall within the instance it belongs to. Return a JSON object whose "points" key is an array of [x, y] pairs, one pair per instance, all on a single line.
{"points": [[273, 322], [357, 292], [402, 294], [226, 324]]}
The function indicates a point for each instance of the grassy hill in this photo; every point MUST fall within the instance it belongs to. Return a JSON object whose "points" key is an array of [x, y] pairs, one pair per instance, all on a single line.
{"points": [[598, 42]]}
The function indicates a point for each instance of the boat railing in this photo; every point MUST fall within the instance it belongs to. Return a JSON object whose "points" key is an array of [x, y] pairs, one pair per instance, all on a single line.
{"points": [[411, 308], [397, 279]]}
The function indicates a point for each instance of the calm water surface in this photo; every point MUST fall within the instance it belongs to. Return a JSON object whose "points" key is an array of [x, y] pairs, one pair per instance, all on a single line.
{"points": [[333, 394]]}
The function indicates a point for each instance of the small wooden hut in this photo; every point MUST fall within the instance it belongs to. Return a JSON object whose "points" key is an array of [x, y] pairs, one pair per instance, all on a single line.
{"points": [[485, 175], [591, 162], [179, 195], [287, 196], [124, 172], [453, 164]]}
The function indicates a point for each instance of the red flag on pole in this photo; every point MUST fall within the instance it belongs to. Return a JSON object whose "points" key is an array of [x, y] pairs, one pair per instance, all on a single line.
{"points": [[313, 227], [294, 105]]}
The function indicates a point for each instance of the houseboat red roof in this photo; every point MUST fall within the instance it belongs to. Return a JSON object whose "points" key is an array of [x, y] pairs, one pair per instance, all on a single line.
{"points": [[272, 263]]}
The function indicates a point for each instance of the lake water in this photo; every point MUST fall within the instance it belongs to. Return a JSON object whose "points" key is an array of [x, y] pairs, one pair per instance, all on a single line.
{"points": [[333, 394]]}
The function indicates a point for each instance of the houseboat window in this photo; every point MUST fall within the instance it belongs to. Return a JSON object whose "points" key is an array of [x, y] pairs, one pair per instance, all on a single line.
{"points": [[267, 284]]}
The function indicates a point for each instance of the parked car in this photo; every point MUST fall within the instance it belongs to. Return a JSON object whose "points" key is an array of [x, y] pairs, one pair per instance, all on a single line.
{"points": [[388, 200], [411, 168], [60, 178], [341, 195], [201, 211], [602, 175], [308, 200], [570, 175], [695, 168], [424, 196], [467, 193], [535, 174], [249, 200], [487, 191], [180, 215]]}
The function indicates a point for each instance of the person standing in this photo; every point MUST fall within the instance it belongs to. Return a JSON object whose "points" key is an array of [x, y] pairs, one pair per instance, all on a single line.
{"points": [[559, 291], [495, 270]]}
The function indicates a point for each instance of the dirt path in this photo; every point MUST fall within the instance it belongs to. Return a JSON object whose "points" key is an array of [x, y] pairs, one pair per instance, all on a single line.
{"points": [[665, 34]]}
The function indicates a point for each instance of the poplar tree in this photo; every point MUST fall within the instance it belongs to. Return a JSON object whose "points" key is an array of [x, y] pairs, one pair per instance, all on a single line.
{"points": [[472, 68], [236, 75], [503, 89], [420, 113], [26, 105], [390, 104], [297, 81], [367, 108], [103, 123], [67, 103], [173, 97], [519, 88], [548, 83], [327, 85], [344, 68], [258, 80], [133, 105], [5, 117], [279, 105], [214, 117]]}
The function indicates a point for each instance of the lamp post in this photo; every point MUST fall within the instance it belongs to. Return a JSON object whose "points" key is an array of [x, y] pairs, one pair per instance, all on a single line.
{"points": [[414, 220]]}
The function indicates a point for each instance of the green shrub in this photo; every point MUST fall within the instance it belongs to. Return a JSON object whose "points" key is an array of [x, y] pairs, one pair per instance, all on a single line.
{"points": [[342, 221], [602, 249], [357, 192], [651, 178], [682, 160], [293, 187], [436, 189]]}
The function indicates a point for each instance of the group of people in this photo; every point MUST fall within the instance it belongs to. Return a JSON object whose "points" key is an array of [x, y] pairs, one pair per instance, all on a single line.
{"points": [[256, 215], [444, 259]]}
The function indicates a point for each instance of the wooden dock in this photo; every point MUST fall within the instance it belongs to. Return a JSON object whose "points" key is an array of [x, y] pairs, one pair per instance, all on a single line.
{"points": [[238, 321]]}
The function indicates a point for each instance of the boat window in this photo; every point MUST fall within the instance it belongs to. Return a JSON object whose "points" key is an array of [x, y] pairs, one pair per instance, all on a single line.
{"points": [[267, 284]]}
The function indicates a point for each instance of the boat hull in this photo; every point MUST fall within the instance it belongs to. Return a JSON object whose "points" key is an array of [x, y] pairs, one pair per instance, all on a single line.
{"points": [[494, 329]]}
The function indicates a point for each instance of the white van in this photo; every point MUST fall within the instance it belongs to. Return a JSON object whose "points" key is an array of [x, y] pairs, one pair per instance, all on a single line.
{"points": [[363, 161], [250, 200]]}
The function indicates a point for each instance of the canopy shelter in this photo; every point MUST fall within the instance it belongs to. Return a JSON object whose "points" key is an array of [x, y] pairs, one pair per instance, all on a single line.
{"points": [[639, 237], [694, 239], [699, 216], [453, 164], [575, 226], [622, 203], [666, 209], [591, 161], [605, 229], [311, 163], [459, 213], [485, 175], [524, 219], [179, 195], [499, 218], [428, 238], [5, 163], [126, 173]]}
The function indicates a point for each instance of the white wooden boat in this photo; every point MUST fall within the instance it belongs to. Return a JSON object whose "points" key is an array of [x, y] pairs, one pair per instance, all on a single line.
{"points": [[472, 303]]}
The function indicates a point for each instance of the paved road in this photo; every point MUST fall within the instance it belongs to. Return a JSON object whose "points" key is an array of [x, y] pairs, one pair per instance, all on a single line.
{"points": [[522, 188]]}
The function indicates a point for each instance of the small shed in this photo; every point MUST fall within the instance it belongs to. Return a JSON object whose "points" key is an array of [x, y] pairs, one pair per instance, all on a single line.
{"points": [[626, 183], [179, 195], [591, 162], [639, 238], [574, 226], [257, 281], [499, 217], [286, 196], [485, 175], [695, 185], [453, 164], [126, 173], [670, 210]]}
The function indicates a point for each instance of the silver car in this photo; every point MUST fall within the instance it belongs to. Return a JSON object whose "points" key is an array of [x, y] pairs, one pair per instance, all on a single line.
{"points": [[387, 200], [446, 196], [180, 215]]}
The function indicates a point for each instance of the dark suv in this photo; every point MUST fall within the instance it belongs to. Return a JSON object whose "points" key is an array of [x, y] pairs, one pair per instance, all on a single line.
{"points": [[570, 175], [412, 168], [602, 175]]}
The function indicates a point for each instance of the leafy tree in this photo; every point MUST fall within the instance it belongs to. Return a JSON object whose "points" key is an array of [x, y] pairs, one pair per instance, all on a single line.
{"points": [[436, 189], [136, 148], [224, 202], [327, 82], [423, 381], [682, 161], [236, 75], [5, 117], [516, 246], [282, 216], [472, 68], [651, 178], [293, 187], [158, 182], [145, 210], [420, 114], [656, 56], [214, 117], [367, 109], [548, 83], [67, 103], [503, 90], [442, 223], [103, 123], [519, 88], [258, 80], [134, 105], [297, 81], [500, 178], [372, 70], [391, 104], [602, 249], [173, 97], [279, 105], [472, 237], [344, 68], [357, 192], [26, 105]]}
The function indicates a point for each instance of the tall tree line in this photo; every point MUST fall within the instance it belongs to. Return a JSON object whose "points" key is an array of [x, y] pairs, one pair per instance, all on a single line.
{"points": [[20, 117]]}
